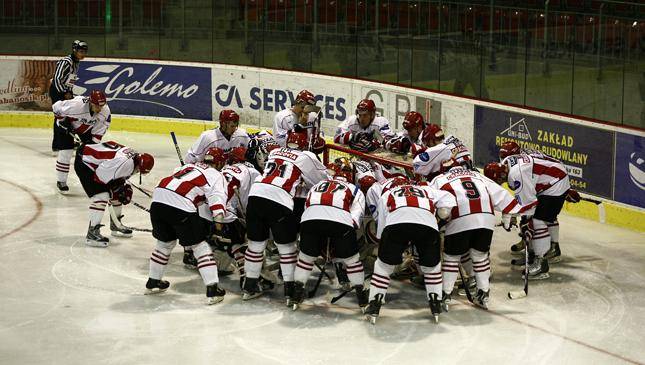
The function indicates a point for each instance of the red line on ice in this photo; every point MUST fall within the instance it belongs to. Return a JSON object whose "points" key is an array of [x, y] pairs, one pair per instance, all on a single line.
{"points": [[39, 208]]}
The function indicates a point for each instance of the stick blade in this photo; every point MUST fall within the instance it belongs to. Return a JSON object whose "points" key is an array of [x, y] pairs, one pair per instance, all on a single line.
{"points": [[516, 294]]}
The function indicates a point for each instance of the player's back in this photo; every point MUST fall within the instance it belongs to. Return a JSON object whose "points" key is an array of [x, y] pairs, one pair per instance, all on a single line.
{"points": [[186, 189]]}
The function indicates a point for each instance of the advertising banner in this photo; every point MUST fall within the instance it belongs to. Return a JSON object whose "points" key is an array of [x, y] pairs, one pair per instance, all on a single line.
{"points": [[630, 170], [24, 84], [149, 89], [586, 152]]}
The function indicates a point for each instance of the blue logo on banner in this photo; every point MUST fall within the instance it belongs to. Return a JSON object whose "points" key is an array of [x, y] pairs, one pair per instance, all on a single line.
{"points": [[150, 89], [630, 170], [274, 100]]}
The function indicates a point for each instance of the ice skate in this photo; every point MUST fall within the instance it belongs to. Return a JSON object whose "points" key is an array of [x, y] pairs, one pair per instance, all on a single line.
{"points": [[214, 294], [518, 248], [154, 286], [118, 229], [251, 289], [62, 187], [362, 295], [298, 295], [288, 292], [373, 308], [554, 255], [539, 269], [481, 300], [190, 262], [94, 237], [446, 299], [435, 306]]}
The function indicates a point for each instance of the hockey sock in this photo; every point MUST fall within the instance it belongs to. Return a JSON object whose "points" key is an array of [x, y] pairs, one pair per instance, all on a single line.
{"points": [[159, 259], [304, 267], [450, 271], [432, 279], [206, 263], [481, 264], [355, 271], [467, 264], [253, 258], [117, 207], [62, 164], [541, 241], [97, 207], [380, 278], [238, 256], [288, 258], [554, 231]]}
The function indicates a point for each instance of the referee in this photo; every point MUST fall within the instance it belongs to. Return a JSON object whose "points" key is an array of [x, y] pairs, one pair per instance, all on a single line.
{"points": [[61, 89]]}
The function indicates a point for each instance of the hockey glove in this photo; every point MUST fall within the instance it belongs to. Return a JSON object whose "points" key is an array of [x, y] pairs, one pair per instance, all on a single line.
{"points": [[398, 145], [319, 146], [573, 196], [122, 193], [526, 227]]}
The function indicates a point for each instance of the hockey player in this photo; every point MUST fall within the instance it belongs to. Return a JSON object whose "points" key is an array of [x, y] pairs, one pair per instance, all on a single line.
{"points": [[333, 212], [103, 169], [439, 148], [175, 217], [364, 131], [226, 137], [66, 73], [258, 149], [541, 186], [406, 214], [239, 176], [294, 118], [511, 148], [471, 226], [270, 210], [411, 139], [87, 117]]}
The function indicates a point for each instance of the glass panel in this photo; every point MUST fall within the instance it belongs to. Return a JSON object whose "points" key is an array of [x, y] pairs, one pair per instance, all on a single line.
{"points": [[425, 47], [634, 89], [549, 71], [334, 46], [598, 71]]}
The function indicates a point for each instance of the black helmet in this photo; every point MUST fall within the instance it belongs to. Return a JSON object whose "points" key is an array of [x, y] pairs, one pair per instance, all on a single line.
{"points": [[79, 45]]}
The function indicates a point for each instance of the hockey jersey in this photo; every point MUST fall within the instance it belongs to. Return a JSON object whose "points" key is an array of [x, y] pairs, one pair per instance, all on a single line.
{"points": [[285, 169], [429, 161], [192, 186], [335, 200], [530, 177], [411, 204], [477, 199], [239, 178], [77, 112], [350, 130], [284, 121], [109, 161], [214, 138], [374, 194]]}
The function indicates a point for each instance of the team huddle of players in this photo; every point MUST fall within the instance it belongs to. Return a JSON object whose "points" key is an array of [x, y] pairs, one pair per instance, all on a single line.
{"points": [[239, 192]]}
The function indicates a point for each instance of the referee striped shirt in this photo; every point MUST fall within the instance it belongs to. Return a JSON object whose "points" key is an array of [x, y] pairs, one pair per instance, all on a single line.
{"points": [[65, 67]]}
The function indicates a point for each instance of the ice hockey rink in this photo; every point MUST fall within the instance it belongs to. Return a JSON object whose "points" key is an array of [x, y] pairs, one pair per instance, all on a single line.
{"points": [[65, 303]]}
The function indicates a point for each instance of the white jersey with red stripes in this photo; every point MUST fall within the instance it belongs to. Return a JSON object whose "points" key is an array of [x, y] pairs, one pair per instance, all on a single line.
{"points": [[285, 169], [477, 199], [77, 110], [530, 177], [335, 200], [351, 129], [192, 186], [411, 204], [429, 161], [109, 160], [374, 194], [215, 138], [239, 178]]}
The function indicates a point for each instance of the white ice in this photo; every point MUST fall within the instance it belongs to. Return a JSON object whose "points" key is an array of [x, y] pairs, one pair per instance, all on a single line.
{"points": [[64, 303]]}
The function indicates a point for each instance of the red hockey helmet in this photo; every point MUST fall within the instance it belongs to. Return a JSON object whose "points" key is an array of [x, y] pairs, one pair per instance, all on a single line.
{"points": [[215, 156], [508, 148], [297, 140], [365, 183], [365, 106], [97, 97], [145, 162], [228, 115], [448, 164], [337, 170], [412, 120], [396, 181], [432, 135], [306, 97], [237, 154], [496, 172]]}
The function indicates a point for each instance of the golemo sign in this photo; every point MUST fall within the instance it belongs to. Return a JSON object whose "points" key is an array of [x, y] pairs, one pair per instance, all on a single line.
{"points": [[150, 89]]}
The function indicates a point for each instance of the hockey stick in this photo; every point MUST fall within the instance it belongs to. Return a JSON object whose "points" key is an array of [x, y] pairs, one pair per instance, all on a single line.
{"points": [[144, 191], [465, 284], [517, 294], [344, 292], [117, 221], [174, 141], [141, 207]]}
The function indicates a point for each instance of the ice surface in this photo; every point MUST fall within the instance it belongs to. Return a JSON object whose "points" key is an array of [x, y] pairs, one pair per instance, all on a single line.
{"points": [[64, 303]]}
